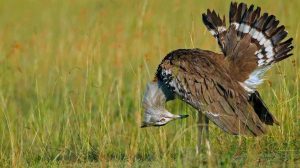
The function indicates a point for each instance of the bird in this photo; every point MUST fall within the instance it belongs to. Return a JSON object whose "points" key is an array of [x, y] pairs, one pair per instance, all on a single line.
{"points": [[222, 86]]}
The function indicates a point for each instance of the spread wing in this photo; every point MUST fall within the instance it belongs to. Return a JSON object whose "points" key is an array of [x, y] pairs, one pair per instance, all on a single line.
{"points": [[198, 80], [251, 44]]}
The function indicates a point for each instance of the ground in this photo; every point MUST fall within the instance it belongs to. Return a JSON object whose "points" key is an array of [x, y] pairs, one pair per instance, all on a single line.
{"points": [[73, 72]]}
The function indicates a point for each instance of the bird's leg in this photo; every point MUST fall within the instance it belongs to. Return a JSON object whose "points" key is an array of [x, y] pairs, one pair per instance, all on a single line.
{"points": [[202, 124], [207, 136], [206, 128]]}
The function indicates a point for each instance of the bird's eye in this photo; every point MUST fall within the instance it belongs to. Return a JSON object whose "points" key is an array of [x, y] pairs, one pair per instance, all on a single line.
{"points": [[162, 120]]}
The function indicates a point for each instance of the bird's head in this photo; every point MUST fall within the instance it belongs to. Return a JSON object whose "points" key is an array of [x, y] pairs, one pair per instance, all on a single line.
{"points": [[154, 101], [159, 117]]}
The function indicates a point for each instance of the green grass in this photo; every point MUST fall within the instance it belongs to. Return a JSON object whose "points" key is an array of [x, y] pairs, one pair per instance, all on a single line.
{"points": [[72, 75]]}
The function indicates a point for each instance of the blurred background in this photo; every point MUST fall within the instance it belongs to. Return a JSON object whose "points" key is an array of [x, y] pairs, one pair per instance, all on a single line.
{"points": [[72, 75]]}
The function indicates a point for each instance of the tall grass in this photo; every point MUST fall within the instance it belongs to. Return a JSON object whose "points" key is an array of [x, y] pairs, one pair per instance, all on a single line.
{"points": [[72, 74]]}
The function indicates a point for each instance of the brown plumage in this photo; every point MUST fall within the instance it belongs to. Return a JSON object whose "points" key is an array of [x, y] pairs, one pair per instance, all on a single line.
{"points": [[223, 86], [203, 80]]}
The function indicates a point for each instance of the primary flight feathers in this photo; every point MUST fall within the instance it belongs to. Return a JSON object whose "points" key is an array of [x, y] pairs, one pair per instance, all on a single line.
{"points": [[252, 42]]}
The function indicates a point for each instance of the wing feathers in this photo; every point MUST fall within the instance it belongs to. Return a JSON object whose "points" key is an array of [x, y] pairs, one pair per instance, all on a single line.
{"points": [[264, 33], [215, 25], [199, 81], [263, 30], [231, 41]]}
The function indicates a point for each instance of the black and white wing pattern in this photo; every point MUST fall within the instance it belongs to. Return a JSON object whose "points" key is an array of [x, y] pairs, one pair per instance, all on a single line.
{"points": [[252, 43], [216, 26]]}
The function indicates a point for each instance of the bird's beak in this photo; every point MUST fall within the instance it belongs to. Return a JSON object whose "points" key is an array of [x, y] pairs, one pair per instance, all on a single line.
{"points": [[181, 116]]}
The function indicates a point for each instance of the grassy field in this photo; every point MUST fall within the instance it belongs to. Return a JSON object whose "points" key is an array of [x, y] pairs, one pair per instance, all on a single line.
{"points": [[72, 75]]}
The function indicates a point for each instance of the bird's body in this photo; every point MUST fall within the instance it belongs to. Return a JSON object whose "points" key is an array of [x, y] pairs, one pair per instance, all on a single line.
{"points": [[223, 86], [204, 80]]}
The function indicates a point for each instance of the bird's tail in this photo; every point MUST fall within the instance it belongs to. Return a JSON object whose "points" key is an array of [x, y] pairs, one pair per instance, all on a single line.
{"points": [[261, 109]]}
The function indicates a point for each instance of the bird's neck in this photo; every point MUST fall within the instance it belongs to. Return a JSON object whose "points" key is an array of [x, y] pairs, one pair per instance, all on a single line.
{"points": [[156, 95]]}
